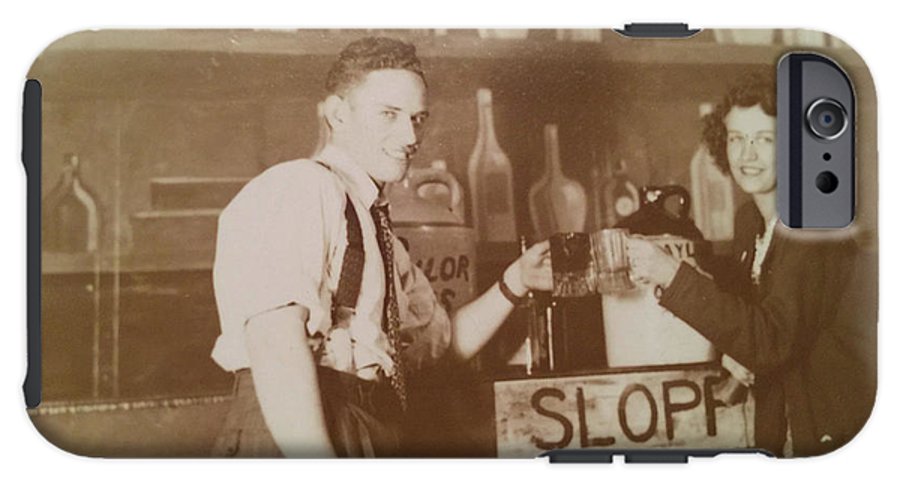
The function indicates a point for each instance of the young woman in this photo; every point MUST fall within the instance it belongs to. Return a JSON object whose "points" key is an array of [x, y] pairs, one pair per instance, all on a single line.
{"points": [[776, 309]]}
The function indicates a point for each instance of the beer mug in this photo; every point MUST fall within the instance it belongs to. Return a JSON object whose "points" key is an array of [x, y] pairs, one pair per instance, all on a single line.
{"points": [[609, 248], [573, 268], [585, 264]]}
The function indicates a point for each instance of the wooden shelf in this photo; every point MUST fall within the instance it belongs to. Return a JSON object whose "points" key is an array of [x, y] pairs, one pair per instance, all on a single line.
{"points": [[459, 44], [221, 64], [240, 43], [241, 64], [85, 263]]}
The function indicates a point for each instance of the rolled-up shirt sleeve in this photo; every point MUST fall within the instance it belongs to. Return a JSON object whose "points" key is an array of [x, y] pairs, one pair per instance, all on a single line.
{"points": [[272, 249], [425, 322]]}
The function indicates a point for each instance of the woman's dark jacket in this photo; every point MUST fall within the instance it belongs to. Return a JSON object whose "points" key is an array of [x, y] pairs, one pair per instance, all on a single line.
{"points": [[807, 331]]}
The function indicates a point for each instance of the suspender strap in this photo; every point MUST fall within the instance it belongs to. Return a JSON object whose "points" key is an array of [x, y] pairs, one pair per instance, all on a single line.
{"points": [[343, 304], [354, 259]]}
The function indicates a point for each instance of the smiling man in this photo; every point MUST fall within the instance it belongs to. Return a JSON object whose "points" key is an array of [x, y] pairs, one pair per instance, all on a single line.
{"points": [[323, 314]]}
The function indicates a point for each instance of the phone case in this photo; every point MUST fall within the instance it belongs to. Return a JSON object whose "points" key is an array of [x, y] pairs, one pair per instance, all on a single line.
{"points": [[189, 188]]}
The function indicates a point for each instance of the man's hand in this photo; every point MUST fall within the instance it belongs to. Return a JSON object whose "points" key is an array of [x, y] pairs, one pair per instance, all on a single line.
{"points": [[531, 271], [476, 322], [650, 264]]}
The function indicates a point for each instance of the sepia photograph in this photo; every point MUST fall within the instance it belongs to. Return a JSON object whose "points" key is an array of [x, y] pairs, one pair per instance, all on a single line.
{"points": [[317, 243]]}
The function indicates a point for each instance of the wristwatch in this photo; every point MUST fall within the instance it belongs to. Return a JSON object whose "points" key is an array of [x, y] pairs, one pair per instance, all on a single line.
{"points": [[516, 300]]}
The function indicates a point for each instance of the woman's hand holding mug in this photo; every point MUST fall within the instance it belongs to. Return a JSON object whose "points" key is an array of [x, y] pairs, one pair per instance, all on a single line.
{"points": [[650, 264]]}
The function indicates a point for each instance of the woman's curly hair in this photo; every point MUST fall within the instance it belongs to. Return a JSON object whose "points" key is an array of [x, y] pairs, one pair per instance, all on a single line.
{"points": [[369, 54], [757, 88]]}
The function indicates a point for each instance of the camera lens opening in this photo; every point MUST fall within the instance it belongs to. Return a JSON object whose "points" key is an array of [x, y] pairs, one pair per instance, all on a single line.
{"points": [[827, 119], [826, 182]]}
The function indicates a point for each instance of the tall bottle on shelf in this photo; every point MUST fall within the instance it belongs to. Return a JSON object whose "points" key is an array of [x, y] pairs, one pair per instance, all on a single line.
{"points": [[490, 180], [557, 203], [70, 221], [712, 193]]}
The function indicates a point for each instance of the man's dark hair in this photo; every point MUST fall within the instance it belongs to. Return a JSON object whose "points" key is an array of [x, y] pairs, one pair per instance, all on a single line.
{"points": [[369, 54], [756, 88]]}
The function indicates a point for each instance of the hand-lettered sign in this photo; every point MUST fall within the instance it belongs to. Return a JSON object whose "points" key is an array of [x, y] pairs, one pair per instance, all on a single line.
{"points": [[665, 408]]}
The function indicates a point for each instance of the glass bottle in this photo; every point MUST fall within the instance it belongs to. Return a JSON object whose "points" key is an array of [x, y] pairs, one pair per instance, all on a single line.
{"points": [[557, 204], [490, 180], [620, 196], [71, 222]]}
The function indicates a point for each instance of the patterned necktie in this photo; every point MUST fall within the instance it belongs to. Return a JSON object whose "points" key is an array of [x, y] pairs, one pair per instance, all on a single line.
{"points": [[391, 314]]}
